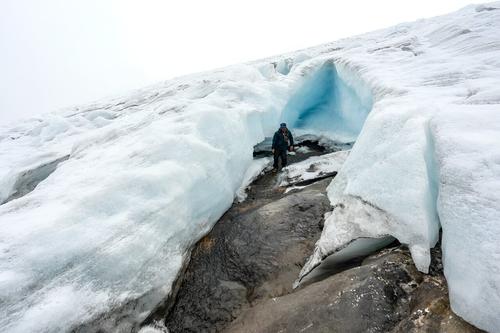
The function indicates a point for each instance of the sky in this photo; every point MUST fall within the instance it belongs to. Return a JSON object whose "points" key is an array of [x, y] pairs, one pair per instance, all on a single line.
{"points": [[61, 53]]}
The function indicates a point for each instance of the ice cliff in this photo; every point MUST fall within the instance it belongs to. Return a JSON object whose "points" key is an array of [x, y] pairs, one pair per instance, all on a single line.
{"points": [[101, 204]]}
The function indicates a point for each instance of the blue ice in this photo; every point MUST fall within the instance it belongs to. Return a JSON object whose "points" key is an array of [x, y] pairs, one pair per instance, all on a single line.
{"points": [[325, 104]]}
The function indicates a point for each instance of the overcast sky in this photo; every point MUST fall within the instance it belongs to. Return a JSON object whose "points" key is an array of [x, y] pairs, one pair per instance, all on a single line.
{"points": [[57, 53]]}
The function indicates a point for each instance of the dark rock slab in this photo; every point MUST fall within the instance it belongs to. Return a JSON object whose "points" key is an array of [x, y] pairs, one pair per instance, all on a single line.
{"points": [[385, 294], [370, 298], [254, 252], [430, 310], [240, 276]]}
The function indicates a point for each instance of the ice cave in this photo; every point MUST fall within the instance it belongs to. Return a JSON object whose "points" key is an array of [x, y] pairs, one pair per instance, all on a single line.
{"points": [[329, 104]]}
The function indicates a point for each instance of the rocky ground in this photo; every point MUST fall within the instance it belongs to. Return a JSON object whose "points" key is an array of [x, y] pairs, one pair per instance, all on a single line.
{"points": [[240, 276], [384, 294]]}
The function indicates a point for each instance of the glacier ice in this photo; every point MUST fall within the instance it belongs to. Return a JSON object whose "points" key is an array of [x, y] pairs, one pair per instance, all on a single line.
{"points": [[357, 248], [426, 157], [107, 230], [26, 180], [103, 234], [469, 210], [254, 170], [326, 104], [112, 225]]}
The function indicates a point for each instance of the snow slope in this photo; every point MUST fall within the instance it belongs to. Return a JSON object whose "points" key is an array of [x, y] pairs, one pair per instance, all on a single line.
{"points": [[147, 176], [428, 153], [101, 204]]}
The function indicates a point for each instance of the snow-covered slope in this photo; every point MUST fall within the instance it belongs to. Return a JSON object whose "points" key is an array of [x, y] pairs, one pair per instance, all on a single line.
{"points": [[428, 154], [101, 204], [146, 177]]}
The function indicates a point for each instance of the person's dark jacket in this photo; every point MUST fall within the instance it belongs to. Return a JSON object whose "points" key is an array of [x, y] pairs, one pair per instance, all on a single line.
{"points": [[279, 142]]}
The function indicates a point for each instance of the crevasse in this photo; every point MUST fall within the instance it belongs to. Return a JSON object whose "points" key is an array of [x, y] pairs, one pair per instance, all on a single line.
{"points": [[149, 173]]}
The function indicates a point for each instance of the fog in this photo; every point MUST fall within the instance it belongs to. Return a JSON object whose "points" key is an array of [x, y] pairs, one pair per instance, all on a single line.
{"points": [[58, 53]]}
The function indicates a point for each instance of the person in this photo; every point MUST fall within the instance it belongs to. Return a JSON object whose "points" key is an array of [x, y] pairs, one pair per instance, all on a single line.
{"points": [[282, 142]]}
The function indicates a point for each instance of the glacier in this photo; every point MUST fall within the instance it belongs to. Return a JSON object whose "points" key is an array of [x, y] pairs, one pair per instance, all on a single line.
{"points": [[328, 104], [424, 159], [101, 204]]}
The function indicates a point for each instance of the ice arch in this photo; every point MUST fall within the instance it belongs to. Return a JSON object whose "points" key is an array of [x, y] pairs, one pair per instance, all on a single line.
{"points": [[331, 102]]}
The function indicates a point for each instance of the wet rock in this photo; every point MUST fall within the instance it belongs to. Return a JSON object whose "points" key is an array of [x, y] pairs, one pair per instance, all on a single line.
{"points": [[240, 276], [430, 309], [255, 251], [368, 298], [431, 312], [385, 294]]}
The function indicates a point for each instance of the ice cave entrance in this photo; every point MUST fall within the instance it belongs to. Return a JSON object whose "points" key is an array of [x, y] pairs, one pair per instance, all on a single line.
{"points": [[328, 104]]}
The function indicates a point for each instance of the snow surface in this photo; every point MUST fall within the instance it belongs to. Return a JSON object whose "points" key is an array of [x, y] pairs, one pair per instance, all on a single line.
{"points": [[428, 154], [313, 167], [469, 208], [148, 174]]}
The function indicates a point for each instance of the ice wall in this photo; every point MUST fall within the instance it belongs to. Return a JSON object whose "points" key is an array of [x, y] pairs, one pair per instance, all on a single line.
{"points": [[107, 230], [329, 104], [426, 157], [470, 211]]}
